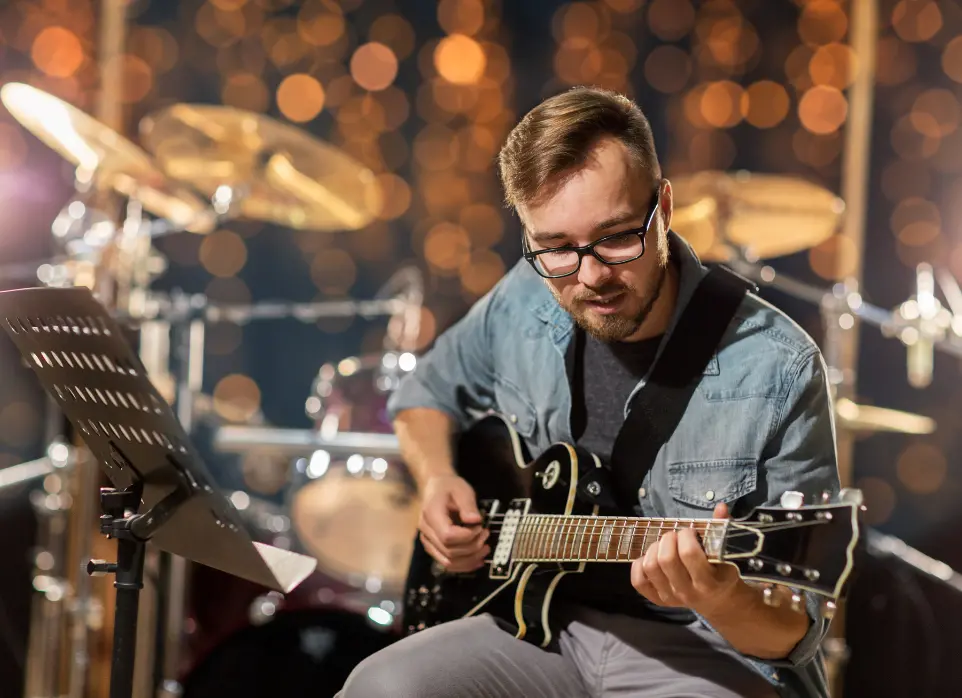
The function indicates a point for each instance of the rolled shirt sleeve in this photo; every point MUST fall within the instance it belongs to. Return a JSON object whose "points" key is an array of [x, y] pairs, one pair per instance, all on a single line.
{"points": [[457, 375]]}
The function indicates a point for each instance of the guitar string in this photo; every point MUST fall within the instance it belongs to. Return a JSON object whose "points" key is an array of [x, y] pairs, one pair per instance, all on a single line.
{"points": [[550, 525]]}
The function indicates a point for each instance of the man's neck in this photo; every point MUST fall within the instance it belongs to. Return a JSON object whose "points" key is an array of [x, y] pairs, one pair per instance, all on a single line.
{"points": [[657, 321]]}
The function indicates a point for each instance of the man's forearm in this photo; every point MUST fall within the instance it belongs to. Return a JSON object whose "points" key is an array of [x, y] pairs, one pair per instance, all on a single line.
{"points": [[754, 628], [425, 436]]}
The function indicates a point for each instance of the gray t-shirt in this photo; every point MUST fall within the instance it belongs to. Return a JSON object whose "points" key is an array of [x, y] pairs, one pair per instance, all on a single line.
{"points": [[610, 372]]}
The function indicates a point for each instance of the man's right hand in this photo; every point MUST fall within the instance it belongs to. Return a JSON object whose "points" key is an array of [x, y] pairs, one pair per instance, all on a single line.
{"points": [[450, 524]]}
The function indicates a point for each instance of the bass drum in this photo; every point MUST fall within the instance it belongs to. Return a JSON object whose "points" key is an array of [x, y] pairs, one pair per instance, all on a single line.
{"points": [[356, 513], [296, 654]]}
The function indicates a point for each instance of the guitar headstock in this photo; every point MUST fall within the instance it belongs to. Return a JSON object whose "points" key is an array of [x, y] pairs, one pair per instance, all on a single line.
{"points": [[806, 547]]}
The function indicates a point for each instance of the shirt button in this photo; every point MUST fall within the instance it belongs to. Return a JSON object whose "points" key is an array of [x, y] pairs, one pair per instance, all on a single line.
{"points": [[642, 492], [513, 418], [710, 495]]}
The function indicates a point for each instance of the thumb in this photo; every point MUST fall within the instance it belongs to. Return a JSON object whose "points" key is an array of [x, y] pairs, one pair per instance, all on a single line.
{"points": [[721, 511], [464, 501]]}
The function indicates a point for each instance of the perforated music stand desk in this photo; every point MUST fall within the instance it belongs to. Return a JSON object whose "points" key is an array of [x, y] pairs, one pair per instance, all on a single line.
{"points": [[162, 492]]}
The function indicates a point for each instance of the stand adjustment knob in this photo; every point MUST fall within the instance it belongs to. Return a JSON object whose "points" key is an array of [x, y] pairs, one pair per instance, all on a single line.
{"points": [[99, 568]]}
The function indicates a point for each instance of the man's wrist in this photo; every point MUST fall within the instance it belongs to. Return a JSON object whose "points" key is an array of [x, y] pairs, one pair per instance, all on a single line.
{"points": [[740, 601]]}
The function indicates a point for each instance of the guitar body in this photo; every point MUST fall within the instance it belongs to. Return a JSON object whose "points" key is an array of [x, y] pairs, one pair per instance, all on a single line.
{"points": [[493, 459]]}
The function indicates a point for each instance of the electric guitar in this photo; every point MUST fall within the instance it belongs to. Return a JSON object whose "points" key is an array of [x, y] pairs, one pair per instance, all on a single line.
{"points": [[543, 528]]}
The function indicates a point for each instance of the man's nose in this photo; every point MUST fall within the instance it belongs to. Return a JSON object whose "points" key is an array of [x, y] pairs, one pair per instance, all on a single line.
{"points": [[593, 273]]}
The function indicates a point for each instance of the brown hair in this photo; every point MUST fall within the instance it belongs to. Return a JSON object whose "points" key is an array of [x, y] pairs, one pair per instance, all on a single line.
{"points": [[557, 136]]}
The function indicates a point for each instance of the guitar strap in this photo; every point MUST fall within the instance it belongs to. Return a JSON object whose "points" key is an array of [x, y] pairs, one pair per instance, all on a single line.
{"points": [[657, 408]]}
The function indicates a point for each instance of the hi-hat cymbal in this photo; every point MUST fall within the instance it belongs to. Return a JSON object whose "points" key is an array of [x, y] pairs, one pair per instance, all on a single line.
{"points": [[281, 173], [870, 418], [764, 215], [113, 161]]}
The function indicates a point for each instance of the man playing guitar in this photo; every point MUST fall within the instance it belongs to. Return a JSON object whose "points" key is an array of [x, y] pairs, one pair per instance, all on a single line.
{"points": [[562, 346]]}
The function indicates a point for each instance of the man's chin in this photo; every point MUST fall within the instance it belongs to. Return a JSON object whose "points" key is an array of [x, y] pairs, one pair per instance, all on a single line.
{"points": [[606, 328]]}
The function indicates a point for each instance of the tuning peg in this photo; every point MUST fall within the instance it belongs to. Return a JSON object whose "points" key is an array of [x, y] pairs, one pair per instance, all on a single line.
{"points": [[850, 495], [768, 596], [828, 610], [798, 605], [792, 500]]}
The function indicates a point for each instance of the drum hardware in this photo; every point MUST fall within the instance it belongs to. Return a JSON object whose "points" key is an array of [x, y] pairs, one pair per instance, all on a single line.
{"points": [[884, 545], [304, 442]]}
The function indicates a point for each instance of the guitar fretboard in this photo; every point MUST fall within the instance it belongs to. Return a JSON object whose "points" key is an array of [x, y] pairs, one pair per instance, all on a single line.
{"points": [[548, 538]]}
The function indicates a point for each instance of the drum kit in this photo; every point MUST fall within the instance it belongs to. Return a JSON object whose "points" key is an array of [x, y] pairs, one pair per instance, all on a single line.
{"points": [[338, 491]]}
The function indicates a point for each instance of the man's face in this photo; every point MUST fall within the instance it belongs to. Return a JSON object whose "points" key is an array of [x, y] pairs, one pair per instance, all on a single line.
{"points": [[609, 195]]}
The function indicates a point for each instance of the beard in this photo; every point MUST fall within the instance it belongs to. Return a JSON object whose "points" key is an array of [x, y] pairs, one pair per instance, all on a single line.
{"points": [[621, 325]]}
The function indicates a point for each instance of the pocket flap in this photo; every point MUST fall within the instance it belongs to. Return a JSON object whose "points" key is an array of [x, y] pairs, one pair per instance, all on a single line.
{"points": [[513, 405], [706, 483]]}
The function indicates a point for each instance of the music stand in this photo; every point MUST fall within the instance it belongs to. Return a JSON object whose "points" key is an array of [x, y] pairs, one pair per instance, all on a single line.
{"points": [[161, 491]]}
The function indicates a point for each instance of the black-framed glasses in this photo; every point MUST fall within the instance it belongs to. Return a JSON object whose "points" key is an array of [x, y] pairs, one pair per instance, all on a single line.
{"points": [[618, 248]]}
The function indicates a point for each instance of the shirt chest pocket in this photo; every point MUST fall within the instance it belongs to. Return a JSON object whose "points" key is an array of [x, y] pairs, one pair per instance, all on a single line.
{"points": [[519, 410], [697, 486]]}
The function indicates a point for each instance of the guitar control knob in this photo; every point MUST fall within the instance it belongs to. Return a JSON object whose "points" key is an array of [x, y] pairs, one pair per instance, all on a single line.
{"points": [[828, 610], [768, 596]]}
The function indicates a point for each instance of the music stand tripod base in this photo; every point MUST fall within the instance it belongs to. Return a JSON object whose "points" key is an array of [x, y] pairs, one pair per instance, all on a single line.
{"points": [[161, 491]]}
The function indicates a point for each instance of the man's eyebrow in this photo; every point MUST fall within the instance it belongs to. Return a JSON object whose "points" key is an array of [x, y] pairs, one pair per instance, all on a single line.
{"points": [[607, 224]]}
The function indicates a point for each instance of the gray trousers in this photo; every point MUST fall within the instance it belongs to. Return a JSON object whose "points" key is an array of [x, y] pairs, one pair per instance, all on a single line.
{"points": [[602, 656]]}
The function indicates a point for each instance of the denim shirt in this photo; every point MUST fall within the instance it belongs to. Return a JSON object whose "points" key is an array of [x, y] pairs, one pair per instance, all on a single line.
{"points": [[759, 423]]}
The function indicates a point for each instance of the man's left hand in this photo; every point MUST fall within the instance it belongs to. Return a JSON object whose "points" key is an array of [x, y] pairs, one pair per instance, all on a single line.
{"points": [[675, 571]]}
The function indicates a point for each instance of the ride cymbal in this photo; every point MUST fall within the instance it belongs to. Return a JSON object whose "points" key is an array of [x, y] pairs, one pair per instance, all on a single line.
{"points": [[870, 418], [765, 216], [280, 173], [112, 161]]}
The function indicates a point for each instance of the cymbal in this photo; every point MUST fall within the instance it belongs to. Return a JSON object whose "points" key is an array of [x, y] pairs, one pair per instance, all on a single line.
{"points": [[281, 173], [767, 215], [870, 418], [114, 162]]}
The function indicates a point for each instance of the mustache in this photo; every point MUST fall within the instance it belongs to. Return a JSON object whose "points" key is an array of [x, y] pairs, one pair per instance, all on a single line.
{"points": [[599, 293]]}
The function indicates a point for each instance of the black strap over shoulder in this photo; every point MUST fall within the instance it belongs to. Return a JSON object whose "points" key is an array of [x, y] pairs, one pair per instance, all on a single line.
{"points": [[658, 407]]}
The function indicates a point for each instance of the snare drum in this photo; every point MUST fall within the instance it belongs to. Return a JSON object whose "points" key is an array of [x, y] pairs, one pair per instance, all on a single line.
{"points": [[357, 514]]}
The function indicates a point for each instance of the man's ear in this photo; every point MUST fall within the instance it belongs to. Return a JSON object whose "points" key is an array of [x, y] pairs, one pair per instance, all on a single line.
{"points": [[666, 202]]}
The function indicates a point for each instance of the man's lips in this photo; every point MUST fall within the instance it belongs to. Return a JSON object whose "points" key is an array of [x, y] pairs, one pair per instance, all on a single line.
{"points": [[605, 304]]}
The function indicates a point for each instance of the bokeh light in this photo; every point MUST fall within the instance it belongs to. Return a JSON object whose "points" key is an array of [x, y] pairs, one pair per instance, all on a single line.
{"points": [[834, 259], [57, 52], [374, 66], [461, 16], [300, 97], [879, 497], [333, 271], [245, 91], [764, 104], [460, 59], [822, 109], [916, 20], [922, 468], [236, 398], [223, 253], [822, 22]]}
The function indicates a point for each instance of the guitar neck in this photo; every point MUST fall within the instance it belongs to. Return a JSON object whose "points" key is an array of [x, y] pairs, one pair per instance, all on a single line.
{"points": [[554, 538]]}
